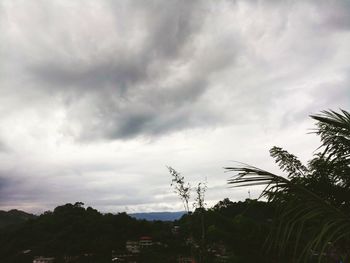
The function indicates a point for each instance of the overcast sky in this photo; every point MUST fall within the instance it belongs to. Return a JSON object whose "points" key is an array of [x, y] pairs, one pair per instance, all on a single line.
{"points": [[97, 97]]}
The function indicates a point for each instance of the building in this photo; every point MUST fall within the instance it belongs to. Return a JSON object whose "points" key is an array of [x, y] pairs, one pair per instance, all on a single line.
{"points": [[145, 241], [43, 260], [133, 246], [221, 258], [175, 230], [186, 260]]}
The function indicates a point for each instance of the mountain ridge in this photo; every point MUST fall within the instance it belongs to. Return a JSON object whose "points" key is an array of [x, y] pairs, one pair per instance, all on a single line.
{"points": [[14, 217], [161, 216]]}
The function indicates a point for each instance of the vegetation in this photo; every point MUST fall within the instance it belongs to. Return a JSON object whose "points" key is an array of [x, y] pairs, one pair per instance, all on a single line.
{"points": [[13, 217], [72, 233], [312, 202], [234, 230], [181, 188]]}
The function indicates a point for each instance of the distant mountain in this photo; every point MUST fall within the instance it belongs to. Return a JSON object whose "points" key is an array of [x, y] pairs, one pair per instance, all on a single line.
{"points": [[13, 217], [162, 216]]}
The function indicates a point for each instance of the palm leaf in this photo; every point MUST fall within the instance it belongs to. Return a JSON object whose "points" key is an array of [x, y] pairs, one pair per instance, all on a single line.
{"points": [[334, 129], [297, 207]]}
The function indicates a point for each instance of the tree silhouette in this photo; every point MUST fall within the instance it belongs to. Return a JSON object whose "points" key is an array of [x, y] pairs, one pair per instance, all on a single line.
{"points": [[181, 188], [313, 201]]}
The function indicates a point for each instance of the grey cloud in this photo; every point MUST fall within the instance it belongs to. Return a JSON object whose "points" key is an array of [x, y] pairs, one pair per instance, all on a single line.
{"points": [[334, 16], [13, 190], [155, 113], [3, 147], [8, 188], [110, 76], [130, 90], [138, 89], [167, 34], [24, 191], [3, 183], [126, 94]]}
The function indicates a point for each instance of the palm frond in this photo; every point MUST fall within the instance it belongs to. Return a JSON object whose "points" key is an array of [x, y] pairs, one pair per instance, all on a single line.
{"points": [[288, 162], [334, 129], [297, 207]]}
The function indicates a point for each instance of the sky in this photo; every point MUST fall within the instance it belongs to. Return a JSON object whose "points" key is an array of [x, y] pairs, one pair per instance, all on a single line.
{"points": [[98, 97]]}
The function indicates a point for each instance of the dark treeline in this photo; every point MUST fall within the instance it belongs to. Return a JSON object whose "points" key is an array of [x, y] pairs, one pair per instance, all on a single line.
{"points": [[13, 217], [234, 232]]}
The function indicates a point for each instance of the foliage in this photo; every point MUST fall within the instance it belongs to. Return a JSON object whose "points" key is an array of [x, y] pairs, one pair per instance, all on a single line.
{"points": [[200, 191], [235, 230], [181, 188], [71, 230], [13, 217], [313, 201]]}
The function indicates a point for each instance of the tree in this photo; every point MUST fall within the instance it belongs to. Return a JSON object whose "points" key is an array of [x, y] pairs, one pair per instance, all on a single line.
{"points": [[184, 190], [200, 191], [180, 187], [313, 201], [199, 204]]}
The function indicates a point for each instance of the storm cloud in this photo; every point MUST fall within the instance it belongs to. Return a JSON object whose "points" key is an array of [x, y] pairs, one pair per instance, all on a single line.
{"points": [[96, 97]]}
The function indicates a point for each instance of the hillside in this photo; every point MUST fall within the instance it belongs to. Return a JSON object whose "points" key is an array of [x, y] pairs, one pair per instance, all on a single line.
{"points": [[14, 217], [71, 233], [161, 216]]}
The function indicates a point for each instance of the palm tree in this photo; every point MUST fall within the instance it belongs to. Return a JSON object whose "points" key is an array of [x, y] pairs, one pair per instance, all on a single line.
{"points": [[312, 202]]}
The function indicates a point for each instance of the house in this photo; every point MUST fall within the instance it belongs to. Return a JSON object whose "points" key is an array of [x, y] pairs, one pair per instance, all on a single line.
{"points": [[186, 260], [175, 230], [43, 260], [133, 246], [221, 258], [145, 241]]}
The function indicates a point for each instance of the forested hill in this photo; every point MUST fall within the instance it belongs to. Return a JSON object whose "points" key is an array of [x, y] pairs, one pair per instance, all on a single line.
{"points": [[234, 231], [13, 217]]}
